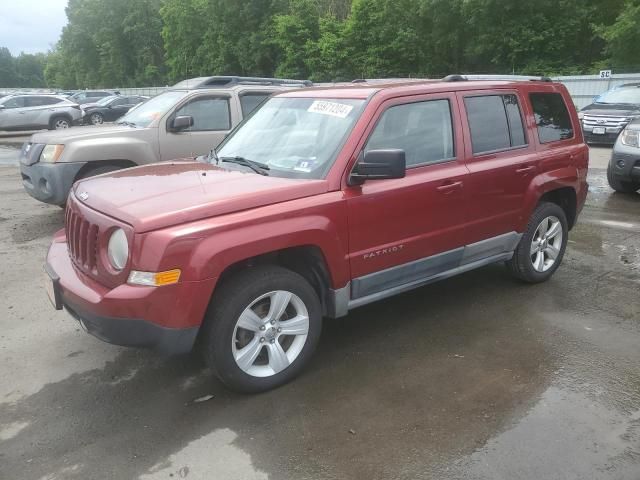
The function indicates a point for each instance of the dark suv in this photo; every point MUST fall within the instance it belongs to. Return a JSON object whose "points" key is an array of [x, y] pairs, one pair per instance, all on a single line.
{"points": [[323, 200], [606, 117]]}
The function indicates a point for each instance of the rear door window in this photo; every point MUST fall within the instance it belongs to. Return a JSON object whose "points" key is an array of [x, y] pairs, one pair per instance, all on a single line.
{"points": [[495, 123], [250, 101], [552, 117]]}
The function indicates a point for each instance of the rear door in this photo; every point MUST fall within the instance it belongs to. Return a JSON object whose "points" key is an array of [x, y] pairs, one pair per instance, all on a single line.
{"points": [[501, 159], [404, 230], [212, 121]]}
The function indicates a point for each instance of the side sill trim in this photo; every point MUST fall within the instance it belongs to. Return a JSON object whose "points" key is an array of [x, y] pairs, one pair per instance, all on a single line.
{"points": [[358, 302]]}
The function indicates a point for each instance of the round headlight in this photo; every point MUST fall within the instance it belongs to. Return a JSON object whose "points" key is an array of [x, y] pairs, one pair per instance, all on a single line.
{"points": [[118, 250]]}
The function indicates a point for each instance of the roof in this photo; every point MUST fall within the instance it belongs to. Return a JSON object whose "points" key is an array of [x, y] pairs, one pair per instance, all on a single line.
{"points": [[362, 90]]}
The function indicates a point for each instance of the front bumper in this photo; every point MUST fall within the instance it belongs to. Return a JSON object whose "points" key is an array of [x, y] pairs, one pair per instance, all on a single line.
{"points": [[166, 318], [49, 182], [625, 163], [608, 138]]}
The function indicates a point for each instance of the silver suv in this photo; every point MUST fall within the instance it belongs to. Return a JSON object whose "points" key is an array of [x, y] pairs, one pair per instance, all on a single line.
{"points": [[30, 112], [186, 121]]}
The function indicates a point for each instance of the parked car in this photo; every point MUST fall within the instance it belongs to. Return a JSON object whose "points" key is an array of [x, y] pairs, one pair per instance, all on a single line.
{"points": [[110, 108], [623, 171], [91, 96], [182, 122], [30, 112], [324, 200], [606, 117]]}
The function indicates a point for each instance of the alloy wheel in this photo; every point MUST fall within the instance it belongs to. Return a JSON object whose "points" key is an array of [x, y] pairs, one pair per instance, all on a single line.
{"points": [[546, 244], [270, 333], [61, 123], [96, 119]]}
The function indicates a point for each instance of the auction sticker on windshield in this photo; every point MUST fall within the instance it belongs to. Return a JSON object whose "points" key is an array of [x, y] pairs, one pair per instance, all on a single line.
{"points": [[330, 108]]}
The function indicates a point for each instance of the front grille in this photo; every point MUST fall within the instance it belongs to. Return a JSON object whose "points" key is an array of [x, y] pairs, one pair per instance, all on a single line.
{"points": [[82, 240], [607, 121]]}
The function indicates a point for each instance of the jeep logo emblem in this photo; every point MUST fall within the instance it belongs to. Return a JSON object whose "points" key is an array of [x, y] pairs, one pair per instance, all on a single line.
{"points": [[83, 196]]}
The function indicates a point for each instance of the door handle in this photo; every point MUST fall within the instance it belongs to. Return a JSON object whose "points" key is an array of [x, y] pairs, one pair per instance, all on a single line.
{"points": [[449, 187], [528, 169]]}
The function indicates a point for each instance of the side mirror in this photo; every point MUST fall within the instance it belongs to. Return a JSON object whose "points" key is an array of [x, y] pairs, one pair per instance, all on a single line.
{"points": [[182, 122], [378, 165]]}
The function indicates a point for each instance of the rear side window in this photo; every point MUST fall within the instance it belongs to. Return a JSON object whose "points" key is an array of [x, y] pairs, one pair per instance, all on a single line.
{"points": [[250, 101], [552, 117], [495, 123], [422, 129], [39, 101]]}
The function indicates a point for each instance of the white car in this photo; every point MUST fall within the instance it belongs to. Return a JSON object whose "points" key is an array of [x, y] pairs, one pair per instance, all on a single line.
{"points": [[31, 112]]}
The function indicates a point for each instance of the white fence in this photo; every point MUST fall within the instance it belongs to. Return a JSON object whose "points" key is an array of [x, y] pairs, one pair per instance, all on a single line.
{"points": [[583, 88]]}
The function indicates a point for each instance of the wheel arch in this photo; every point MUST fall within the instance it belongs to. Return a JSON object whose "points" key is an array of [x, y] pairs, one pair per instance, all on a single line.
{"points": [[103, 163], [557, 187]]}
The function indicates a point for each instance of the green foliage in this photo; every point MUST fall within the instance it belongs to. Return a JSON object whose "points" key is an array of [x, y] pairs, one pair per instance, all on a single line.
{"points": [[112, 43]]}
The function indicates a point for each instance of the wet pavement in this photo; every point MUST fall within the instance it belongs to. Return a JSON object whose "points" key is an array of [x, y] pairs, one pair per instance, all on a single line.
{"points": [[475, 377]]}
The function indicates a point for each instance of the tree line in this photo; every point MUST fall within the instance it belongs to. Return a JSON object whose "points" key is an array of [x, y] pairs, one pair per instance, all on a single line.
{"points": [[109, 43]]}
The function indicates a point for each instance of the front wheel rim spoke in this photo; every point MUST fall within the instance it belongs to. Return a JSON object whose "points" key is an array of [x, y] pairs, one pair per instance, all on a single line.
{"points": [[248, 354], [543, 227], [296, 326], [552, 251], [278, 360], [279, 303], [249, 320]]}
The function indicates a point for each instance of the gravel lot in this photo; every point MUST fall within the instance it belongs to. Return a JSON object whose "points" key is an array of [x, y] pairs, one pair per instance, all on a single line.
{"points": [[476, 377]]}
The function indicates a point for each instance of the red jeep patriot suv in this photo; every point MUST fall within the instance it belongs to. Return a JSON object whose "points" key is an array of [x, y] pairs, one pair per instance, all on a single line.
{"points": [[322, 201]]}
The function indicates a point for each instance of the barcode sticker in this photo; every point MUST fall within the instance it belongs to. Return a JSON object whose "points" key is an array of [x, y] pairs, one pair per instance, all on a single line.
{"points": [[330, 108]]}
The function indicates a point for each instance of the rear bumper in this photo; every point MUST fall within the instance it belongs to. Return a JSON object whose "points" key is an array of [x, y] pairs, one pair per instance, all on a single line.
{"points": [[49, 182], [166, 318]]}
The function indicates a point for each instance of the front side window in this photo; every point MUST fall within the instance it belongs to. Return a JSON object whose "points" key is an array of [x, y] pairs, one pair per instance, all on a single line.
{"points": [[295, 137], [552, 117], [209, 113], [495, 123], [422, 129], [250, 101]]}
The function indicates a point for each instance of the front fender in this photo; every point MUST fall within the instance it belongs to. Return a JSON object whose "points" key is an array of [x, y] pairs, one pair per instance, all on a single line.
{"points": [[204, 249], [544, 183], [136, 150]]}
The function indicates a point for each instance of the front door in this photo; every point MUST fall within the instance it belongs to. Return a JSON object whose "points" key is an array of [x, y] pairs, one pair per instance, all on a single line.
{"points": [[212, 121], [405, 230]]}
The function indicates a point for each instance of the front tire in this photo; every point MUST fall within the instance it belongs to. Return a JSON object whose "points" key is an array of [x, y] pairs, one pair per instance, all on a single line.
{"points": [[261, 329], [620, 185], [542, 246], [96, 119]]}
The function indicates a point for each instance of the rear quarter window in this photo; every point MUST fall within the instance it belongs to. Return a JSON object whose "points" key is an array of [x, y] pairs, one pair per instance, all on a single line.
{"points": [[552, 117]]}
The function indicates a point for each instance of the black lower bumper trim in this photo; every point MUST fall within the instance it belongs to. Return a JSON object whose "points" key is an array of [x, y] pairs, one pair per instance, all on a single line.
{"points": [[136, 333]]}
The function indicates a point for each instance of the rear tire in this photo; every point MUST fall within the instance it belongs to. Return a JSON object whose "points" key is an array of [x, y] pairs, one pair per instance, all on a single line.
{"points": [[542, 246], [59, 123], [261, 311], [620, 185]]}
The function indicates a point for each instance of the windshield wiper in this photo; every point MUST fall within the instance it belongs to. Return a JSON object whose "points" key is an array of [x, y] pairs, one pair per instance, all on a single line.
{"points": [[128, 124], [257, 167]]}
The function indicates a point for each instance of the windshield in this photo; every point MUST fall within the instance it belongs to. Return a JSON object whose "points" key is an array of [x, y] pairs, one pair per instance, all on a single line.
{"points": [[105, 100], [294, 137], [621, 95], [153, 108]]}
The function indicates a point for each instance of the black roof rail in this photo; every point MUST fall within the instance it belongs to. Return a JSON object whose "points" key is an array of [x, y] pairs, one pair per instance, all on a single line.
{"points": [[513, 78], [226, 81]]}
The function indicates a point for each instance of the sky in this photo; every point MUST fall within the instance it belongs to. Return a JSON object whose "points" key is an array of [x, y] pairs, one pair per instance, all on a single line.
{"points": [[31, 26]]}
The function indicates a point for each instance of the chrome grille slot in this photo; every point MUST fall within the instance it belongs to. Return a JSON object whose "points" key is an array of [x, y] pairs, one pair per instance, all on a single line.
{"points": [[604, 121], [82, 240]]}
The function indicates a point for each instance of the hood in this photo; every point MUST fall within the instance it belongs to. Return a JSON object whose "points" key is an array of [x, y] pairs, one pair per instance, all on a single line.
{"points": [[68, 135], [171, 193], [612, 109]]}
